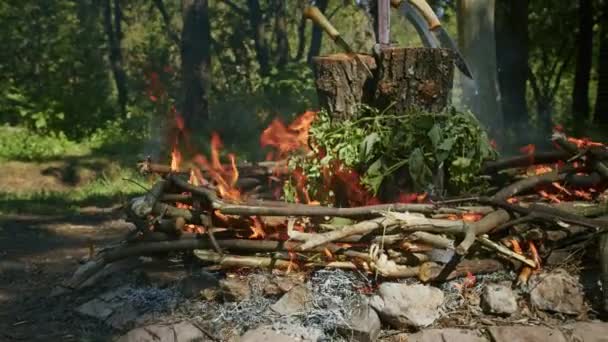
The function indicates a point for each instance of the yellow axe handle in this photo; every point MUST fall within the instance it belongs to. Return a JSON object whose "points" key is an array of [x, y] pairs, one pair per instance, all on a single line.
{"points": [[427, 13], [313, 13]]}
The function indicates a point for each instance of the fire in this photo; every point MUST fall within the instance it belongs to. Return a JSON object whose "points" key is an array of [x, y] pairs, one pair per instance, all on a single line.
{"points": [[539, 169], [552, 197], [225, 180], [258, 228], [288, 138], [176, 159], [584, 142]]}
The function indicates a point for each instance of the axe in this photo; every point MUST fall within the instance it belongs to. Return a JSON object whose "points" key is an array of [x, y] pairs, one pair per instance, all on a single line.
{"points": [[430, 30], [313, 13]]}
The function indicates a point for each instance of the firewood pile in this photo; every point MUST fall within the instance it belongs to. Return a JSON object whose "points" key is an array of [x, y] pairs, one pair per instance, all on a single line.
{"points": [[540, 202]]}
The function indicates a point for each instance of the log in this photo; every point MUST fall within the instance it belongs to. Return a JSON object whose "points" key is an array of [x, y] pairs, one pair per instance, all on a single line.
{"points": [[342, 83], [405, 78], [430, 271], [414, 78]]}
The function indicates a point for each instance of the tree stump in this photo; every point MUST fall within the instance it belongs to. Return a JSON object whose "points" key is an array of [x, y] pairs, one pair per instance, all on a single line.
{"points": [[342, 83], [406, 78]]}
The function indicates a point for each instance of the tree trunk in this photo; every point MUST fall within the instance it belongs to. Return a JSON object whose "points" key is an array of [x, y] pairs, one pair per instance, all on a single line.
{"points": [[259, 36], [114, 34], [512, 60], [477, 43], [342, 83], [580, 95], [196, 63], [301, 36], [406, 78], [412, 78], [317, 34], [601, 102], [281, 34]]}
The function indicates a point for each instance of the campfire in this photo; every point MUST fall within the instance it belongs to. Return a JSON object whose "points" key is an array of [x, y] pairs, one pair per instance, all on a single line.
{"points": [[232, 217]]}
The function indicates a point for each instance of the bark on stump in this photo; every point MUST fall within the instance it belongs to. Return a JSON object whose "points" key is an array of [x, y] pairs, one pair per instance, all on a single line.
{"points": [[406, 78], [342, 83]]}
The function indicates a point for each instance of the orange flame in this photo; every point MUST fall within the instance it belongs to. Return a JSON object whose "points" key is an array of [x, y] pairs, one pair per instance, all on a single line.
{"points": [[257, 228], [225, 179], [176, 159], [288, 138]]}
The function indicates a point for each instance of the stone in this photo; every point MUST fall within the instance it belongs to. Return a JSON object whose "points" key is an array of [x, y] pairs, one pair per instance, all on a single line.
{"points": [[297, 300], [588, 331], [448, 334], [290, 333], [363, 325], [498, 299], [408, 306], [235, 289], [557, 292], [525, 334], [178, 332], [199, 284]]}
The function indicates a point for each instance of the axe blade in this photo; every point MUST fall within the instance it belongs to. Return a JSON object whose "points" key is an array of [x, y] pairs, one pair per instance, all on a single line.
{"points": [[416, 19], [447, 42]]}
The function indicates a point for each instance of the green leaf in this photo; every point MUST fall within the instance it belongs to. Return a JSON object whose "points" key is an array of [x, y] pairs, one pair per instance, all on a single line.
{"points": [[419, 171], [435, 135], [447, 144], [367, 146]]}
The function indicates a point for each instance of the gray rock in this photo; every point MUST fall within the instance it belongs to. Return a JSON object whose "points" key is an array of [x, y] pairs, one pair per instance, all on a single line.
{"points": [[525, 334], [235, 289], [434, 335], [557, 292], [178, 332], [589, 331], [363, 325], [498, 299], [403, 306], [194, 285], [291, 333], [297, 300]]}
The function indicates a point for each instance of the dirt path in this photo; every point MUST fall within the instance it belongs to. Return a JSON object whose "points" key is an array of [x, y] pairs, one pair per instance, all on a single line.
{"points": [[36, 253]]}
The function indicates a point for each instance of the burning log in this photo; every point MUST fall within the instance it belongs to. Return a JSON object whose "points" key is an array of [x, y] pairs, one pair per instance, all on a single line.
{"points": [[431, 271]]}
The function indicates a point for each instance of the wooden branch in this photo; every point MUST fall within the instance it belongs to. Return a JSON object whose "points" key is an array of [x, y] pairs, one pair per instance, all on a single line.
{"points": [[529, 183], [430, 271], [432, 239], [364, 227], [145, 248], [505, 251], [143, 206], [562, 141], [229, 261], [524, 161], [318, 211]]}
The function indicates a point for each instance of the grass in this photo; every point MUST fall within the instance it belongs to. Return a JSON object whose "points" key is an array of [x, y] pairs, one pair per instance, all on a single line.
{"points": [[113, 164], [108, 190]]}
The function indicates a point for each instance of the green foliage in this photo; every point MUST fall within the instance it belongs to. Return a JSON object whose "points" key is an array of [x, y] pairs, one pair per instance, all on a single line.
{"points": [[382, 145], [111, 188], [21, 144]]}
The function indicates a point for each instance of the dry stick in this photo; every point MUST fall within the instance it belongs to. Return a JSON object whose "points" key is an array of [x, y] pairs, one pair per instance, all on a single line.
{"points": [[486, 224], [505, 251], [598, 165], [432, 239], [529, 183], [316, 211], [144, 248], [524, 161], [229, 261], [362, 228], [430, 271], [548, 213], [143, 206]]}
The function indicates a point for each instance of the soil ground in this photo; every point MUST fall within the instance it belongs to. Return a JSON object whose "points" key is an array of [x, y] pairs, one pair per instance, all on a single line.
{"points": [[37, 252]]}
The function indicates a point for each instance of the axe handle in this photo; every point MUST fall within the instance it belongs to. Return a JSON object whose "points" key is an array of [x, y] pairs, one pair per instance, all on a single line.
{"points": [[313, 13], [427, 13]]}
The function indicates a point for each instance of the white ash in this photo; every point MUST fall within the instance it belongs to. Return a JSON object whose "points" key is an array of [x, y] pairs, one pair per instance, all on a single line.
{"points": [[151, 299]]}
